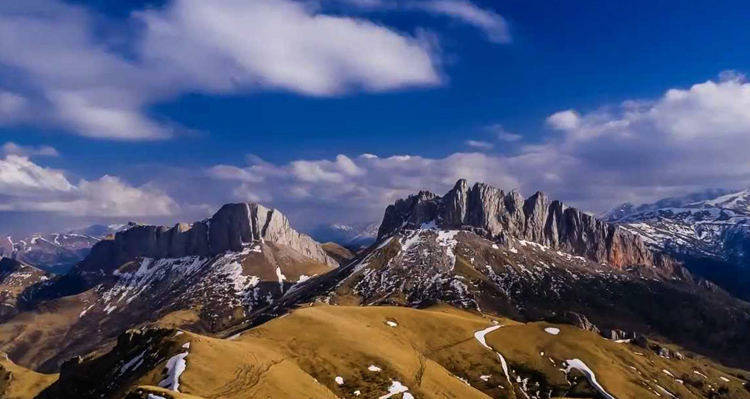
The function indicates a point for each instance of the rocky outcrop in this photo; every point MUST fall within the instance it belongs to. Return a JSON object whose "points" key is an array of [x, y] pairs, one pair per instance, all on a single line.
{"points": [[500, 216], [575, 319], [617, 335], [233, 226]]}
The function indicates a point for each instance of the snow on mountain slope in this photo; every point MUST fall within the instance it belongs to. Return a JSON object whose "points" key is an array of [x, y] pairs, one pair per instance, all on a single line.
{"points": [[56, 252], [477, 248], [716, 228], [15, 278], [355, 236], [207, 276]]}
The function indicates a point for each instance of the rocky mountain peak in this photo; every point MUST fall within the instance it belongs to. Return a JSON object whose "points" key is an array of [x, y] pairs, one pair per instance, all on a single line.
{"points": [[490, 212], [229, 229]]}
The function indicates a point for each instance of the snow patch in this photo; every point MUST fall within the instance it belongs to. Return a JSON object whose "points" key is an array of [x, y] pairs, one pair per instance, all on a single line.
{"points": [[176, 365], [582, 367], [281, 277], [552, 330], [447, 240], [395, 389], [480, 336]]}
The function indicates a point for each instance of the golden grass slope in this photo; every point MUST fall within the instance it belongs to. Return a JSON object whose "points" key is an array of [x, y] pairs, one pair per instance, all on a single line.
{"points": [[625, 370], [336, 352], [17, 382], [358, 352]]}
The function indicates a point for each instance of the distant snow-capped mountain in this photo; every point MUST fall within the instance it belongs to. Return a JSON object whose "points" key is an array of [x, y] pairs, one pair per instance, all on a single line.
{"points": [[710, 230], [352, 236], [55, 252]]}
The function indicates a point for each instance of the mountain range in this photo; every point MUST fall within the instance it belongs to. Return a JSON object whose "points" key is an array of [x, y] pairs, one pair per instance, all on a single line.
{"points": [[708, 231], [55, 252], [352, 236], [475, 293]]}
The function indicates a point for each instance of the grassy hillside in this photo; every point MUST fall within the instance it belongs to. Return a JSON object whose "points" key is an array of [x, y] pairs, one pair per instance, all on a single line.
{"points": [[326, 351], [17, 382]]}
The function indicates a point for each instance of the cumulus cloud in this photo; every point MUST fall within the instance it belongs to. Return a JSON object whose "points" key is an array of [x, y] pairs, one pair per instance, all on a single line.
{"points": [[11, 148], [26, 186], [351, 189], [80, 82], [688, 139], [564, 120], [636, 151], [685, 140], [19, 176]]}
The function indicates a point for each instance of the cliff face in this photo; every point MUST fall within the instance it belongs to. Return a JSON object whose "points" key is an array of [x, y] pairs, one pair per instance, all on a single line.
{"points": [[491, 212], [228, 230]]}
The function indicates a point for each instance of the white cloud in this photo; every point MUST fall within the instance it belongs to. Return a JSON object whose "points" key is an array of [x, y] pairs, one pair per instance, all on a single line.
{"points": [[636, 151], [109, 196], [492, 24], [105, 116], [78, 77], [482, 145], [357, 189], [564, 120], [504, 135], [80, 82], [282, 44], [229, 172], [686, 140], [326, 171], [26, 186], [20, 176], [11, 148]]}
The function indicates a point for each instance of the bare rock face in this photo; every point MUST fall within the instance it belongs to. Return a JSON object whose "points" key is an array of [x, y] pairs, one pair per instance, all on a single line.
{"points": [[576, 319], [229, 229], [538, 219]]}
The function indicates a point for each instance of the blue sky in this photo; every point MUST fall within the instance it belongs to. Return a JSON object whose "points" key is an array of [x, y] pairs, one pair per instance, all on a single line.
{"points": [[161, 111]]}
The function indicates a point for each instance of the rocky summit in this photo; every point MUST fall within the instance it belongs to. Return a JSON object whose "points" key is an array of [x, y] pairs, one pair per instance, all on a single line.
{"points": [[229, 229], [490, 212]]}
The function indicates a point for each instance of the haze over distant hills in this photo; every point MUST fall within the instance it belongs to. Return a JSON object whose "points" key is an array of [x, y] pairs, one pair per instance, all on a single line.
{"points": [[354, 236]]}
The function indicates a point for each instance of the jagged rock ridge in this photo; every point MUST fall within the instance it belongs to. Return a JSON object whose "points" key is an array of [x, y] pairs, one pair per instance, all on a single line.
{"points": [[233, 226], [491, 212]]}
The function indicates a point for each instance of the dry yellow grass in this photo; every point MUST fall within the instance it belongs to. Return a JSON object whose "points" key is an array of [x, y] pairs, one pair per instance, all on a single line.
{"points": [[302, 354], [21, 383], [623, 369], [30, 338], [335, 352]]}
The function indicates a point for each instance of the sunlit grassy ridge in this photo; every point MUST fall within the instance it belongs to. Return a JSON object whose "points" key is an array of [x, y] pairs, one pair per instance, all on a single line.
{"points": [[326, 351]]}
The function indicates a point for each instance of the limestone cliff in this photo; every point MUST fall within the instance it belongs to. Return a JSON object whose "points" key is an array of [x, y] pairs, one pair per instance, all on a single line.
{"points": [[227, 230], [491, 212]]}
